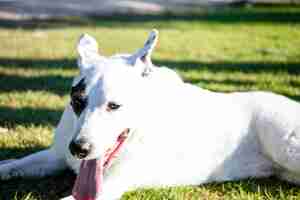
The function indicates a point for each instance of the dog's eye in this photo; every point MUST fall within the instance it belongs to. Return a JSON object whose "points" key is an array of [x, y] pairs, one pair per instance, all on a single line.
{"points": [[113, 106]]}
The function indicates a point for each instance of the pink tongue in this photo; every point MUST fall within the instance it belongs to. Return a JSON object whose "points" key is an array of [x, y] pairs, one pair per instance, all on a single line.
{"points": [[88, 183]]}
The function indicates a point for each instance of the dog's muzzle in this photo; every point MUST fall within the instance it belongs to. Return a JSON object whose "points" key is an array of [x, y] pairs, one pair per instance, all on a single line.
{"points": [[80, 148]]}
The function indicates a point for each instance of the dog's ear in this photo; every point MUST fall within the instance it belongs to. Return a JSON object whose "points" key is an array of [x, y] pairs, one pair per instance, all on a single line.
{"points": [[87, 48], [144, 54]]}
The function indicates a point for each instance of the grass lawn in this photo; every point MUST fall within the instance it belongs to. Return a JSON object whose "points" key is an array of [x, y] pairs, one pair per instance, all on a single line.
{"points": [[252, 48]]}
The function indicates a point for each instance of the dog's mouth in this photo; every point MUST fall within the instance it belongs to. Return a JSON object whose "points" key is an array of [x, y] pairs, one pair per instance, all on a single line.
{"points": [[88, 184]]}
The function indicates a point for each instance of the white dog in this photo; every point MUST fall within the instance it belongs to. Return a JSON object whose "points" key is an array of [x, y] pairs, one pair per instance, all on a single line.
{"points": [[145, 132]]}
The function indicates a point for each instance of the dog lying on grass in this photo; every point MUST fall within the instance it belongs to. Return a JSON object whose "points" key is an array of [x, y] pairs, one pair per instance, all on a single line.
{"points": [[130, 124]]}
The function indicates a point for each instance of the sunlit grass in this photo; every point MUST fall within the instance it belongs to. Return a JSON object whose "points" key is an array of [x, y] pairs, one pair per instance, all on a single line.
{"points": [[227, 50]]}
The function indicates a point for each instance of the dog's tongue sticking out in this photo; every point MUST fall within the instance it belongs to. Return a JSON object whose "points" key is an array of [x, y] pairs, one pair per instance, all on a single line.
{"points": [[88, 184]]}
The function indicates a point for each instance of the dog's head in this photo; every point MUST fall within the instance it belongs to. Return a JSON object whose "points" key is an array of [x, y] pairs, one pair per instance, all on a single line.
{"points": [[103, 95]]}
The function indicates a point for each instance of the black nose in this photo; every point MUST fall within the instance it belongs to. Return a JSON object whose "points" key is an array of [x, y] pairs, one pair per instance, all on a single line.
{"points": [[80, 148]]}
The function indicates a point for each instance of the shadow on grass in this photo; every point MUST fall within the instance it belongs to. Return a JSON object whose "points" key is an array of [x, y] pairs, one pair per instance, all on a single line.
{"points": [[11, 117], [221, 15], [214, 66], [49, 188], [227, 67], [61, 85], [12, 63], [206, 81], [56, 84], [292, 68], [271, 187], [246, 85], [13, 153]]}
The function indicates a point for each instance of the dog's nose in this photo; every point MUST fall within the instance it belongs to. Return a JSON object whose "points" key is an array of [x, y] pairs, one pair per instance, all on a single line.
{"points": [[80, 148]]}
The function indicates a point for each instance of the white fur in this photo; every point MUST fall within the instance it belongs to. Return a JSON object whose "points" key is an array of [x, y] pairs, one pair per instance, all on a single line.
{"points": [[180, 134]]}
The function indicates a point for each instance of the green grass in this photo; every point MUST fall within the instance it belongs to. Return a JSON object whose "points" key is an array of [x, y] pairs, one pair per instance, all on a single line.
{"points": [[252, 48]]}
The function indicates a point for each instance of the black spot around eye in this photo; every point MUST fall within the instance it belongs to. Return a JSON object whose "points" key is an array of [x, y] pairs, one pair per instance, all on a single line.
{"points": [[78, 105], [79, 99], [79, 87]]}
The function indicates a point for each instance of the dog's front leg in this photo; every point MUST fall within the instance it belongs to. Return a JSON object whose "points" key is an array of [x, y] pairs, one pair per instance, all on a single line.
{"points": [[39, 164]]}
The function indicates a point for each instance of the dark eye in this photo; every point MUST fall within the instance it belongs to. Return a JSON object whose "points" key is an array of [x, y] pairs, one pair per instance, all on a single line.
{"points": [[112, 106]]}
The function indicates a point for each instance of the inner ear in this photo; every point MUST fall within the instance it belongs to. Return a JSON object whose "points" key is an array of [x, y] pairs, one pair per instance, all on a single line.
{"points": [[87, 48], [144, 54]]}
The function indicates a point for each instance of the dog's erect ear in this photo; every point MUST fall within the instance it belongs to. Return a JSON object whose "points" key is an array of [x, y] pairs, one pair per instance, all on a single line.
{"points": [[144, 54], [87, 48]]}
